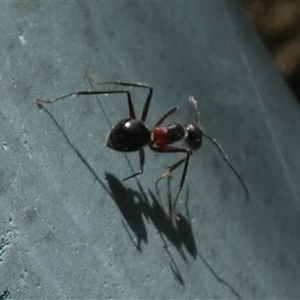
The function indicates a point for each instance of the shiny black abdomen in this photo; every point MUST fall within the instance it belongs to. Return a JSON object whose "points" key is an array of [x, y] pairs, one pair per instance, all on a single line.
{"points": [[128, 135]]}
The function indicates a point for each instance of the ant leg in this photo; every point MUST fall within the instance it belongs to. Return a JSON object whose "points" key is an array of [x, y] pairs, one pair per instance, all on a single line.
{"points": [[166, 115], [78, 93], [183, 176], [169, 149], [168, 172], [142, 163], [130, 84], [147, 105], [136, 84]]}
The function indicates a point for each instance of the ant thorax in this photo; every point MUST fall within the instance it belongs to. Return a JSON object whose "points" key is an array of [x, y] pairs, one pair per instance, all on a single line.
{"points": [[190, 133], [168, 134]]}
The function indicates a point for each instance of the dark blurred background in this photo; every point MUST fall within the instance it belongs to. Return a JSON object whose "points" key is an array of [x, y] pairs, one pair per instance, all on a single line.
{"points": [[278, 23]]}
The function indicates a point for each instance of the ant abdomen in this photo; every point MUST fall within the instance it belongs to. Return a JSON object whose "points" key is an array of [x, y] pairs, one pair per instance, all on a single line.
{"points": [[128, 135]]}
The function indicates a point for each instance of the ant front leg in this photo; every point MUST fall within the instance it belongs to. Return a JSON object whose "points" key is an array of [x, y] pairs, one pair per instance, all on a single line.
{"points": [[169, 149], [165, 116]]}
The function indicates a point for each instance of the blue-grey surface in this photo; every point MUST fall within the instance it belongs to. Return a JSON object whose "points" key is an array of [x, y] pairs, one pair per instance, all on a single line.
{"points": [[69, 226]]}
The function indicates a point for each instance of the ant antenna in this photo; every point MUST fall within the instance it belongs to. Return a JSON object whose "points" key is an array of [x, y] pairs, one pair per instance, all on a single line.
{"points": [[197, 111], [218, 146]]}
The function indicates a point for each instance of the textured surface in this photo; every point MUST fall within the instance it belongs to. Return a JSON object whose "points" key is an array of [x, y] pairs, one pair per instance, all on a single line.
{"points": [[69, 227]]}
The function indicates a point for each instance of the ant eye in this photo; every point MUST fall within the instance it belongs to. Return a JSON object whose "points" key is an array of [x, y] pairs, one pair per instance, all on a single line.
{"points": [[194, 136]]}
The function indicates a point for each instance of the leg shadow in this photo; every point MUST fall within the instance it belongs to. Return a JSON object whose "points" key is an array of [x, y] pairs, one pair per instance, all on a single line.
{"points": [[84, 161], [131, 211], [186, 231]]}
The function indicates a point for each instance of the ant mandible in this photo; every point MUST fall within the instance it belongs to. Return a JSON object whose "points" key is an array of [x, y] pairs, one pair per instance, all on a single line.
{"points": [[131, 134]]}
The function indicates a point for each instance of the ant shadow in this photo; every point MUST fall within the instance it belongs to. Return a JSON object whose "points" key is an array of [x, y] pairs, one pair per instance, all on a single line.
{"points": [[129, 208], [180, 235], [133, 211]]}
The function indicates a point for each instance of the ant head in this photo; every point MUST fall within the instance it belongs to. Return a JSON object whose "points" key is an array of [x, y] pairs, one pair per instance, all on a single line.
{"points": [[128, 135], [194, 133], [193, 136]]}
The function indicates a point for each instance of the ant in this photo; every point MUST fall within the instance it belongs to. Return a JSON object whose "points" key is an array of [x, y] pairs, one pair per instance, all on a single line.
{"points": [[131, 134]]}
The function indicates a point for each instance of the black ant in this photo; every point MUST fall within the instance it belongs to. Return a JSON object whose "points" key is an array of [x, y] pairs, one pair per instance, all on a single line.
{"points": [[131, 134]]}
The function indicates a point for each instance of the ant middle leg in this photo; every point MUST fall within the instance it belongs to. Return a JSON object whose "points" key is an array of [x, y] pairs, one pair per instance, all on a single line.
{"points": [[142, 163]]}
